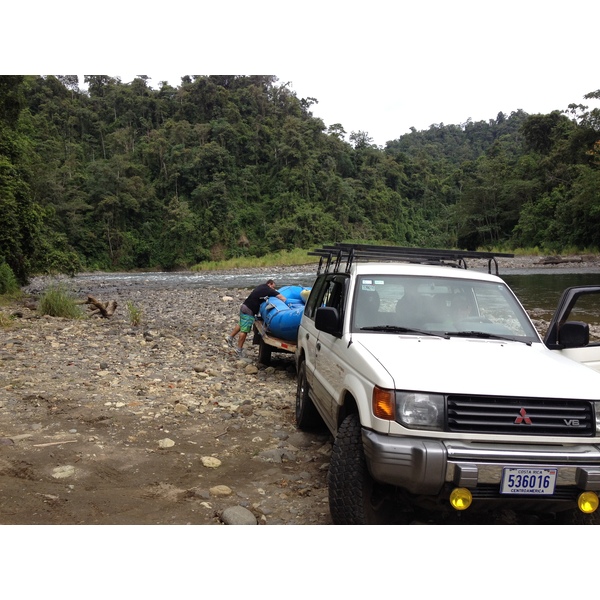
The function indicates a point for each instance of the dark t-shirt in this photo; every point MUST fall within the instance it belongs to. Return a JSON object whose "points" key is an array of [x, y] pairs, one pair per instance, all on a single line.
{"points": [[253, 301]]}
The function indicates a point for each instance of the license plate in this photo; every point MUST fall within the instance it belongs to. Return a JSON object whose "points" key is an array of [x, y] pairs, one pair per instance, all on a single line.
{"points": [[528, 480]]}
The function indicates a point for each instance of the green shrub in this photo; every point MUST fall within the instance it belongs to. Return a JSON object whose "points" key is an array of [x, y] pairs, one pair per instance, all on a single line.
{"points": [[283, 258], [135, 314], [56, 301], [8, 281]]}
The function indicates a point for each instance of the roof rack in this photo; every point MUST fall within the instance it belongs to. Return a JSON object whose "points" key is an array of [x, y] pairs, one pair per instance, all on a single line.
{"points": [[332, 256]]}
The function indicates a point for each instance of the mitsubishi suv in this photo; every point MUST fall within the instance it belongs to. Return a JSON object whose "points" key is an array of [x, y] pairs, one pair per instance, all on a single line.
{"points": [[440, 393]]}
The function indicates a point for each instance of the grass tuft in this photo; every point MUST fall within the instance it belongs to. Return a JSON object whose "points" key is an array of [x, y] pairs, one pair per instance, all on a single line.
{"points": [[135, 314], [56, 301], [5, 320]]}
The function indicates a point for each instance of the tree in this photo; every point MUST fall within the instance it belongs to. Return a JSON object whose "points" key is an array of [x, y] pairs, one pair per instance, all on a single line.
{"points": [[119, 175], [19, 215], [360, 139], [587, 118]]}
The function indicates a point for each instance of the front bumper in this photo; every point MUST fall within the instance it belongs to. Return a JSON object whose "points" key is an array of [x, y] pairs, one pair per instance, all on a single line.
{"points": [[424, 466]]}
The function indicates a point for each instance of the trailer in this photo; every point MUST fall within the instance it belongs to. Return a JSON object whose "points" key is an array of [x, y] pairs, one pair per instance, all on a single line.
{"points": [[267, 343]]}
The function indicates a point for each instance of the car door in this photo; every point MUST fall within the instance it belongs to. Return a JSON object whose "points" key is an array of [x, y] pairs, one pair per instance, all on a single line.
{"points": [[329, 370], [307, 329], [574, 330]]}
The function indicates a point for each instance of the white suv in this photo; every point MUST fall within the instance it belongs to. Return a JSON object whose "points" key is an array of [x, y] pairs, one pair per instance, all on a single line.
{"points": [[439, 391]]}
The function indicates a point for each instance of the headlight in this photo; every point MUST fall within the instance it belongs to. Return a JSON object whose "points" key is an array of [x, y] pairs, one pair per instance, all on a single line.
{"points": [[419, 410]]}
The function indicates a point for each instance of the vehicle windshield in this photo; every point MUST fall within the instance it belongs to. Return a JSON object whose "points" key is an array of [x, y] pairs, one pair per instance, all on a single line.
{"points": [[446, 306]]}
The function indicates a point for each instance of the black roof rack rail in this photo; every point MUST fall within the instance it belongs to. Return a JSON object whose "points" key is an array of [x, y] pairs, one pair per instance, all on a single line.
{"points": [[334, 255]]}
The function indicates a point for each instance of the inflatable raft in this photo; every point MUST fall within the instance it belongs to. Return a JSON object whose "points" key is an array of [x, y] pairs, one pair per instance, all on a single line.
{"points": [[282, 319]]}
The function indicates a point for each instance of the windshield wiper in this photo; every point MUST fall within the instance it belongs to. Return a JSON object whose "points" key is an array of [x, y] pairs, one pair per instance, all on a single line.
{"points": [[398, 329], [485, 336]]}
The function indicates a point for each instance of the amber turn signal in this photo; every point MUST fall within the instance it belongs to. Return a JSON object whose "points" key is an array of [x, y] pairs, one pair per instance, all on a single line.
{"points": [[383, 403]]}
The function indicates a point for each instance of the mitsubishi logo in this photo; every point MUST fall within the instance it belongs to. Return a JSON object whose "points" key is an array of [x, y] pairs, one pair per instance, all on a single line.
{"points": [[523, 418]]}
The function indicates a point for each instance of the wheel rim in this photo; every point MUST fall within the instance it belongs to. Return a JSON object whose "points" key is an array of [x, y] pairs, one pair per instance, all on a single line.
{"points": [[300, 392]]}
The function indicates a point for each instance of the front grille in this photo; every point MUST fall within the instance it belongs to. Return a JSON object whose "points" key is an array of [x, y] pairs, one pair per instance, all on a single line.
{"points": [[520, 416]]}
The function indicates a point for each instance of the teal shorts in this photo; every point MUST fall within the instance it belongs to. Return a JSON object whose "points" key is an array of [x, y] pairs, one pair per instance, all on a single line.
{"points": [[246, 322]]}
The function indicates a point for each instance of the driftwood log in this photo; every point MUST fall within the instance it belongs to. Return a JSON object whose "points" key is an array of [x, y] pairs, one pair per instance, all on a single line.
{"points": [[103, 309], [557, 260]]}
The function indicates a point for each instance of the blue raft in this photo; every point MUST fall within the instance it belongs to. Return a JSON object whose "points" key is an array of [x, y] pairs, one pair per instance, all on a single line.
{"points": [[282, 319]]}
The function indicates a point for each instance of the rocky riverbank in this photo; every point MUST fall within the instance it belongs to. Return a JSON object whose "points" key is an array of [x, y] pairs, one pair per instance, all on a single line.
{"points": [[103, 422]]}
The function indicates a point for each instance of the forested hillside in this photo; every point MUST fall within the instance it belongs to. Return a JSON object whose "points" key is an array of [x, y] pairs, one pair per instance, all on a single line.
{"points": [[124, 176]]}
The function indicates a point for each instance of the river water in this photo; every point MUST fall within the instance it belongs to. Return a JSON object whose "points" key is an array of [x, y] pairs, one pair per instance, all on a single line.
{"points": [[540, 292], [186, 279]]}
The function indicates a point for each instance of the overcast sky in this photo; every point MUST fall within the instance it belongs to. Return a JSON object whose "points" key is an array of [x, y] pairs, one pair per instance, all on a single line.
{"points": [[380, 67]]}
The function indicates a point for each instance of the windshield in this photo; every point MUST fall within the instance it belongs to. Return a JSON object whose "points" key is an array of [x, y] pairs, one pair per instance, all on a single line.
{"points": [[440, 306]]}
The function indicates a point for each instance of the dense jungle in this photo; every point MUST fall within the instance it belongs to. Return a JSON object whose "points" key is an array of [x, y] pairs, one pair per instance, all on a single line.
{"points": [[102, 174]]}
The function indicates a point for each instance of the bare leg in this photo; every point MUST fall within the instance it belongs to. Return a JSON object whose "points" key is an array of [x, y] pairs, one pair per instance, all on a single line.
{"points": [[242, 339]]}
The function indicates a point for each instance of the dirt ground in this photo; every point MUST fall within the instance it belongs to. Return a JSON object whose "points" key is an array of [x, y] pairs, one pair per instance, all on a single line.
{"points": [[104, 423]]}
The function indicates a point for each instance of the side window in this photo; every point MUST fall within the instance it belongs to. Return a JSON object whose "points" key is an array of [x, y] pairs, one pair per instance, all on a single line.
{"points": [[332, 295], [316, 297], [329, 290]]}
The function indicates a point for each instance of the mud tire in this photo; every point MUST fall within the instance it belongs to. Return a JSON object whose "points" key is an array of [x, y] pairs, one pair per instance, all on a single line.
{"points": [[354, 497]]}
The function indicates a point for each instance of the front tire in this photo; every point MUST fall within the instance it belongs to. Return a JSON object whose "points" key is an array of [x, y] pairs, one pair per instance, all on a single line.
{"points": [[354, 497], [307, 416]]}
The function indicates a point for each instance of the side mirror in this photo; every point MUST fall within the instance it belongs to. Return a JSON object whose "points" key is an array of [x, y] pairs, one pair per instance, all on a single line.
{"points": [[574, 334], [327, 319]]}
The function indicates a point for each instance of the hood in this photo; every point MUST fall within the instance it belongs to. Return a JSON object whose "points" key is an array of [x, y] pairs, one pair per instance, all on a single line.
{"points": [[473, 366]]}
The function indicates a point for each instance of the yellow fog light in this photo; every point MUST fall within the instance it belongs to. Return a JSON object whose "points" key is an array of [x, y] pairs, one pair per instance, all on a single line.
{"points": [[588, 502], [461, 498]]}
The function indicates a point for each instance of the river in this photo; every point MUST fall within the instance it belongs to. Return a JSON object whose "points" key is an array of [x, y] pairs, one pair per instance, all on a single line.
{"points": [[540, 292]]}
